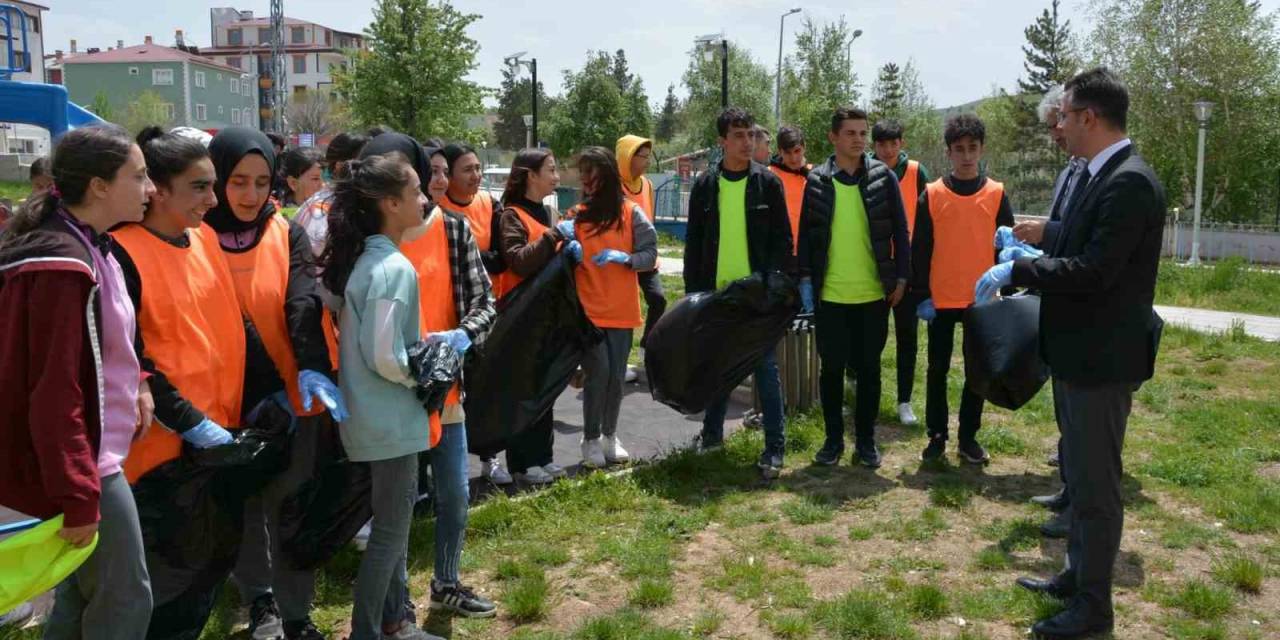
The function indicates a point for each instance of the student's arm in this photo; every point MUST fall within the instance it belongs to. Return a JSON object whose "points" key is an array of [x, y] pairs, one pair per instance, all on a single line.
{"points": [[695, 231], [644, 241], [922, 248], [525, 256], [303, 308], [780, 240], [493, 259], [381, 332], [172, 409], [901, 237], [477, 291]]}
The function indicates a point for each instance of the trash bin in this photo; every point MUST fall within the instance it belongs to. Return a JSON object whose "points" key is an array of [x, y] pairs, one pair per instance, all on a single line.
{"points": [[797, 355]]}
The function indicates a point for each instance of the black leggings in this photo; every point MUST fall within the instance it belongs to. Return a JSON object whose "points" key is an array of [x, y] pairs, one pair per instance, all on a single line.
{"points": [[942, 335], [906, 332], [654, 298]]}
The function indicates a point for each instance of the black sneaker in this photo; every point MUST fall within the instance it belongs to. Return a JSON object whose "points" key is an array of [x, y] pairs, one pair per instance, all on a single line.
{"points": [[462, 601], [829, 455], [934, 451], [302, 630], [264, 619], [973, 453], [770, 465], [868, 454]]}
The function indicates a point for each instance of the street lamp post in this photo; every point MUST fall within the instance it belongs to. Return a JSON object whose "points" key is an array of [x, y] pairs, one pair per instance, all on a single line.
{"points": [[777, 86], [848, 50], [1203, 110], [531, 121], [528, 130], [708, 44]]}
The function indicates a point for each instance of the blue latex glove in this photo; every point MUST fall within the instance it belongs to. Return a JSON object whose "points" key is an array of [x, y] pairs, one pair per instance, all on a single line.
{"points": [[207, 434], [457, 338], [574, 249], [806, 295], [565, 227], [926, 311], [611, 255], [1004, 238], [1009, 254], [313, 384], [990, 283]]}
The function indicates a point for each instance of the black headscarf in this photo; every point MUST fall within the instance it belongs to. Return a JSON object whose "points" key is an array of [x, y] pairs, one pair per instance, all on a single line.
{"points": [[226, 150], [419, 157]]}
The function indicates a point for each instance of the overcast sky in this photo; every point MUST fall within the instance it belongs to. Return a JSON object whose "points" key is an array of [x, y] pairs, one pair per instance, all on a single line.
{"points": [[962, 48]]}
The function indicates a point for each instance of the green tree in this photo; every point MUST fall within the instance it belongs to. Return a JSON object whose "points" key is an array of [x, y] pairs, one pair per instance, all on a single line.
{"points": [[413, 77], [750, 87], [887, 93], [515, 100], [149, 108], [1050, 57], [101, 106], [1172, 53], [818, 78], [921, 120], [668, 121], [592, 111]]}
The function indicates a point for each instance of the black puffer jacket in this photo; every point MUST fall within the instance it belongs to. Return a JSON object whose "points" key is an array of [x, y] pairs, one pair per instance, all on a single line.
{"points": [[768, 227], [886, 220]]}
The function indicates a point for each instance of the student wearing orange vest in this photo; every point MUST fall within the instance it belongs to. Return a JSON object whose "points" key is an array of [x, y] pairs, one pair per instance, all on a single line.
{"points": [[952, 248], [529, 237], [887, 140], [455, 306], [618, 242], [374, 206], [271, 262], [634, 155], [792, 169]]}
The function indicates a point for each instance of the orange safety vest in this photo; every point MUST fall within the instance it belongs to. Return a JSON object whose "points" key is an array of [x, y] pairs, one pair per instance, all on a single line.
{"points": [[261, 277], [644, 198], [429, 254], [191, 329], [963, 227], [793, 188], [480, 214], [509, 280], [610, 294], [910, 185]]}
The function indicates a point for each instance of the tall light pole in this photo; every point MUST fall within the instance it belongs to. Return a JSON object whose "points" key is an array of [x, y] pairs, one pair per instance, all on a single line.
{"points": [[528, 130], [514, 61], [708, 44], [848, 50], [777, 86], [1204, 110]]}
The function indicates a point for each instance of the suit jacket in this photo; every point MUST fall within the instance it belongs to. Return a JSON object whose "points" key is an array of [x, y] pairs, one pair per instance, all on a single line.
{"points": [[1098, 279], [1054, 224]]}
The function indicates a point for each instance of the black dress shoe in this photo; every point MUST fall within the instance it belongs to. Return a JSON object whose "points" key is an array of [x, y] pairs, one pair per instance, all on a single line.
{"points": [[1054, 587], [1053, 502], [1072, 624], [1059, 526]]}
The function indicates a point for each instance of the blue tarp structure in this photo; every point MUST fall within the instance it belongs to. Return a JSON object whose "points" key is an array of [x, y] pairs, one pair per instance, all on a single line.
{"points": [[42, 105]]}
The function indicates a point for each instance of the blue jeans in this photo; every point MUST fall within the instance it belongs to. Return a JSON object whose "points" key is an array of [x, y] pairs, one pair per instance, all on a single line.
{"points": [[449, 473], [769, 386]]}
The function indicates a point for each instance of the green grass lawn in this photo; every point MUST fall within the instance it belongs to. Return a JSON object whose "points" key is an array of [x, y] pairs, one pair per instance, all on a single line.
{"points": [[15, 192], [1228, 285]]}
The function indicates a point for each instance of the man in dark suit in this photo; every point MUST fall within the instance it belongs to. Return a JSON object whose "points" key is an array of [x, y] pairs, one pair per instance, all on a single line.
{"points": [[1098, 334]]}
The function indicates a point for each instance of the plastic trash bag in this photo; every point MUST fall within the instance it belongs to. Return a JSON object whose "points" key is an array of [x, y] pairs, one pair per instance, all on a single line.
{"points": [[538, 340], [436, 367], [326, 511], [35, 561], [1002, 360], [707, 343]]}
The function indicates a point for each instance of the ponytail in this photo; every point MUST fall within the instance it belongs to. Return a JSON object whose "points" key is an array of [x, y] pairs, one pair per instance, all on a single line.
{"points": [[355, 214]]}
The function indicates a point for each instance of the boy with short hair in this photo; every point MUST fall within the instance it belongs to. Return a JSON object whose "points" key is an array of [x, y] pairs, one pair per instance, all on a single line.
{"points": [[953, 245], [792, 169]]}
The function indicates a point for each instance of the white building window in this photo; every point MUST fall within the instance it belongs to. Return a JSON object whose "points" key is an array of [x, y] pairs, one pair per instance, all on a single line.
{"points": [[162, 76], [235, 116], [247, 119], [133, 71], [244, 86], [200, 79], [235, 86], [166, 111], [219, 109], [202, 112]]}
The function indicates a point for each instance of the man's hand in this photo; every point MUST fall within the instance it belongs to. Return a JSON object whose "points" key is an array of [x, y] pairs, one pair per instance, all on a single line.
{"points": [[146, 410], [898, 292], [1030, 232], [78, 536]]}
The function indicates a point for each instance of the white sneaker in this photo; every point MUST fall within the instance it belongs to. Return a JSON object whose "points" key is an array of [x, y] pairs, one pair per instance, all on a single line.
{"points": [[906, 416], [613, 451], [410, 631], [535, 475], [593, 455], [631, 376], [493, 472], [555, 470], [362, 536]]}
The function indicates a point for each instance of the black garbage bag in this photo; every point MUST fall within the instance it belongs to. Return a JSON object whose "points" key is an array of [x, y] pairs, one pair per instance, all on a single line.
{"points": [[192, 516], [326, 511], [1002, 350], [707, 343], [540, 337], [436, 367]]}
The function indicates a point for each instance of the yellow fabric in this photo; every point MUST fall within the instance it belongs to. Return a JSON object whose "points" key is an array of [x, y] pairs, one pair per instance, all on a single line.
{"points": [[35, 561], [732, 259], [626, 148], [851, 267]]}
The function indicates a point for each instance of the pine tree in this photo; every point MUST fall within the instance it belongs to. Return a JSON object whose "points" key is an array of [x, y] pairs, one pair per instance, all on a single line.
{"points": [[887, 94], [1050, 58], [621, 74], [669, 117]]}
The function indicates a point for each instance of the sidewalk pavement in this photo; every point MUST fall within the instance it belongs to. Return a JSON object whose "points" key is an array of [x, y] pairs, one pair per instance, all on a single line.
{"points": [[1264, 327]]}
